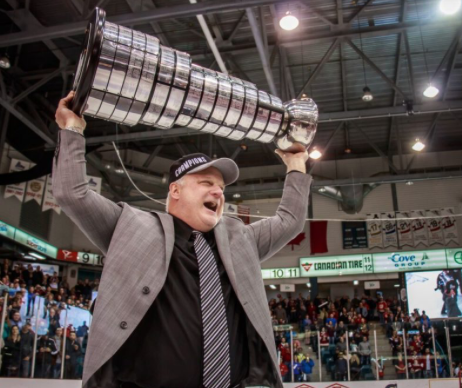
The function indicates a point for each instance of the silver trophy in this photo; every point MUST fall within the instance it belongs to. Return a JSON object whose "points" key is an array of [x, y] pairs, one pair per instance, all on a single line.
{"points": [[128, 77]]}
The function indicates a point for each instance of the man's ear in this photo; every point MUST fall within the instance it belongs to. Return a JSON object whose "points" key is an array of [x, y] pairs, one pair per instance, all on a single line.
{"points": [[174, 190]]}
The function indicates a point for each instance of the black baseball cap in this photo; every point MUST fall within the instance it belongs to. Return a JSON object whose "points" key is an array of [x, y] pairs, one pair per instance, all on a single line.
{"points": [[192, 163]]}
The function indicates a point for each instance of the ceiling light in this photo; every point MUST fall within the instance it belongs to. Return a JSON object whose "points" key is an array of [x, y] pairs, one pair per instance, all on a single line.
{"points": [[119, 171], [418, 145], [396, 285], [315, 154], [355, 282], [322, 189], [107, 166], [431, 91], [308, 285], [367, 96], [37, 256], [236, 195], [273, 287], [409, 183], [348, 150], [449, 7], [164, 178], [244, 147], [289, 22], [5, 62]]}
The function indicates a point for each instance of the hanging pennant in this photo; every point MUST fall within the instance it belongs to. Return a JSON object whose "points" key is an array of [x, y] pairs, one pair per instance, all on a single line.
{"points": [[404, 226], [17, 190], [35, 189], [49, 202], [390, 236], [94, 183], [449, 225], [374, 231], [434, 228], [244, 213], [419, 228], [230, 208]]}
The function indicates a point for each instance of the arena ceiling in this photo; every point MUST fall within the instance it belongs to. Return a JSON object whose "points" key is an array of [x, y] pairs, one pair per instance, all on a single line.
{"points": [[395, 47]]}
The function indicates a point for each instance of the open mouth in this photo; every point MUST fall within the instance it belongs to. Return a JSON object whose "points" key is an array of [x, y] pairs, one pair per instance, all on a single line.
{"points": [[211, 206]]}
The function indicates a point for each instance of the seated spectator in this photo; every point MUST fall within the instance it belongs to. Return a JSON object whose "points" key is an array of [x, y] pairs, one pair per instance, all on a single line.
{"points": [[307, 367], [365, 351]]}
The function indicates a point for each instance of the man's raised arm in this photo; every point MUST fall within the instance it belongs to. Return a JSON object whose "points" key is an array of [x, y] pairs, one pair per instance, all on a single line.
{"points": [[275, 232], [95, 215]]}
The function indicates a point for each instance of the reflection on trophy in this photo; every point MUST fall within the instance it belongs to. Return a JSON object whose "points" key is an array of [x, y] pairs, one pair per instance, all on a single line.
{"points": [[128, 77]]}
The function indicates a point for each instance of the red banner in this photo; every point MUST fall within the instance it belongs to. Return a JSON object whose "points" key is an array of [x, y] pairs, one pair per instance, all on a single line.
{"points": [[67, 255]]}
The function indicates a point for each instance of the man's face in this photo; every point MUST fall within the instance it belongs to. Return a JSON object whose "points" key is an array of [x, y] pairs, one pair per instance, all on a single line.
{"points": [[199, 201], [59, 332], [72, 336], [16, 317]]}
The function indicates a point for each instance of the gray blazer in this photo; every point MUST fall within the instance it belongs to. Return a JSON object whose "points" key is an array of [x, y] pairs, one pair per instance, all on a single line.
{"points": [[138, 246]]}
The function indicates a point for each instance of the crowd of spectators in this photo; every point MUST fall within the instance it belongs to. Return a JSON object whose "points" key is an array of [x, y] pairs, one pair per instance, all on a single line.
{"points": [[23, 284], [345, 322]]}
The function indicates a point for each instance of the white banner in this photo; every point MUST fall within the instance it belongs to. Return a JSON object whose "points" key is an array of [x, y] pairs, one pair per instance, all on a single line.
{"points": [[374, 231], [390, 236], [230, 208], [404, 229], [49, 202], [419, 228], [17, 190], [94, 183], [35, 189], [449, 225], [434, 228]]}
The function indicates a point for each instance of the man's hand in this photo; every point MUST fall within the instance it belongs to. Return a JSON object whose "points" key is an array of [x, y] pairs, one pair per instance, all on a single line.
{"points": [[65, 117], [294, 162]]}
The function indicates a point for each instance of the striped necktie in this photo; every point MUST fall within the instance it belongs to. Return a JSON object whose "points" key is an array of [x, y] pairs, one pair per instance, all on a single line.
{"points": [[217, 364]]}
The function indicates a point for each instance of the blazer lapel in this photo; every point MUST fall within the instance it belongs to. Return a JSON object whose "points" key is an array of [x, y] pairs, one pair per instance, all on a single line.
{"points": [[169, 230], [221, 237]]}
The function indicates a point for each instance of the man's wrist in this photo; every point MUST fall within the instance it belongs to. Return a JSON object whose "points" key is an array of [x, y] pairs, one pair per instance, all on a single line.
{"points": [[299, 166], [74, 128]]}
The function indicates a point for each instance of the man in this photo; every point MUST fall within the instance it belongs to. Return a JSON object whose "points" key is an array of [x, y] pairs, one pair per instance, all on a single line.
{"points": [[445, 282], [57, 353], [428, 364], [27, 349], [46, 349], [73, 352], [82, 331], [154, 263], [37, 276]]}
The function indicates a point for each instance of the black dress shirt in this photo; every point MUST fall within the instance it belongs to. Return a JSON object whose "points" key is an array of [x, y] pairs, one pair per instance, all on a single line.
{"points": [[166, 349]]}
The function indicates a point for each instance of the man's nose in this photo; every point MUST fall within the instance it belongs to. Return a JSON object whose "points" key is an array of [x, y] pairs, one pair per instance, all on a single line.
{"points": [[217, 191]]}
